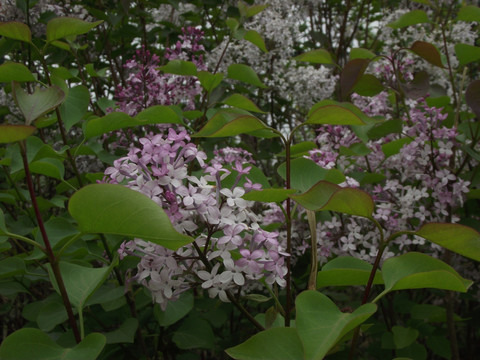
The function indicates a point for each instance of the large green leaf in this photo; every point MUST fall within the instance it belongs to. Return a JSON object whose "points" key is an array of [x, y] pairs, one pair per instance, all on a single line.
{"points": [[39, 103], [346, 271], [415, 270], [304, 173], [458, 238], [158, 114], [75, 106], [335, 113], [16, 30], [80, 281], [321, 325], [53, 168], [319, 56], [62, 27], [224, 124], [208, 80], [116, 209], [403, 337], [11, 71], [368, 85], [11, 266], [467, 53], [469, 13], [326, 196], [13, 133], [351, 75], [245, 74], [272, 344], [28, 344], [411, 18]]}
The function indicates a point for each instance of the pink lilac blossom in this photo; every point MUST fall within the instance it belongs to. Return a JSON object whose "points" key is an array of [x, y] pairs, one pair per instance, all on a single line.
{"points": [[219, 219]]}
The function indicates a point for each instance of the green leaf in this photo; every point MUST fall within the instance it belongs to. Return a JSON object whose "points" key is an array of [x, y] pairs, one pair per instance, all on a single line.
{"points": [[428, 52], [39, 103], [62, 27], [116, 120], [13, 133], [327, 196], [411, 18], [80, 281], [194, 333], [28, 344], [256, 39], [232, 24], [472, 96], [175, 310], [254, 10], [180, 67], [272, 344], [11, 71], [346, 271], [299, 149], [245, 74], [417, 271], [393, 126], [224, 124], [393, 147], [467, 53], [115, 209], [469, 13], [242, 102], [11, 266], [321, 325], [208, 80], [361, 53], [50, 315], [368, 85], [124, 334], [16, 30], [305, 173], [403, 337], [317, 195], [49, 167], [319, 56], [75, 106], [455, 237], [335, 113], [351, 74], [269, 195]]}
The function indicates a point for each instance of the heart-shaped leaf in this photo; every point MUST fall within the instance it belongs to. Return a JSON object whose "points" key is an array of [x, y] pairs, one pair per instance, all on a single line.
{"points": [[116, 209], [428, 52], [321, 325], [39, 103], [458, 238]]}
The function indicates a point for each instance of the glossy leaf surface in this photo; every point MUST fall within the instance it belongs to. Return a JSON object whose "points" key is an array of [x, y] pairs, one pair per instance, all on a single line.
{"points": [[11, 71], [16, 30], [335, 113]]}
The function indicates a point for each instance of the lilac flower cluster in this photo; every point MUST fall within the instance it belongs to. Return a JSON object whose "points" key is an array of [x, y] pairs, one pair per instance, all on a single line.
{"points": [[420, 185], [217, 216], [146, 85]]}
